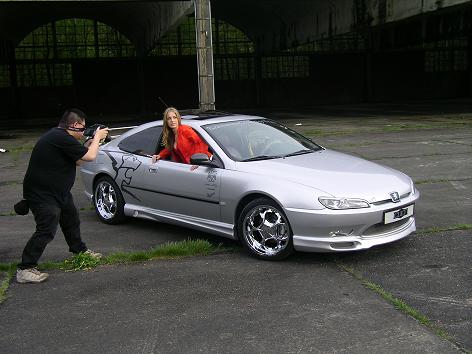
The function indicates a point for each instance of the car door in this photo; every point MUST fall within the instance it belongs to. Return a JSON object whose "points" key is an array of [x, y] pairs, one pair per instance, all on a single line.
{"points": [[130, 164], [177, 188]]}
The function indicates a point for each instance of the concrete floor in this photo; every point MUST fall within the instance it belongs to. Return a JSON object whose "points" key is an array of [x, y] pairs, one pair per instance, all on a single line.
{"points": [[233, 303]]}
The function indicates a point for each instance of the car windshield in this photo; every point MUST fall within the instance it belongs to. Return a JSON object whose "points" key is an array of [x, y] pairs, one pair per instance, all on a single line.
{"points": [[251, 140]]}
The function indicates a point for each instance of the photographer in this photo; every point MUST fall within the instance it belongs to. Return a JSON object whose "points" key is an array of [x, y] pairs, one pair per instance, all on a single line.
{"points": [[46, 187]]}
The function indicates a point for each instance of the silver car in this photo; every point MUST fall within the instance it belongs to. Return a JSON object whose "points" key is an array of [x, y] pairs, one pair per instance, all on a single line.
{"points": [[266, 185]]}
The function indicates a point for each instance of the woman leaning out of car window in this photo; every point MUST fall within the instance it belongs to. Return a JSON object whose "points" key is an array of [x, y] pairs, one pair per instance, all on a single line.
{"points": [[180, 141]]}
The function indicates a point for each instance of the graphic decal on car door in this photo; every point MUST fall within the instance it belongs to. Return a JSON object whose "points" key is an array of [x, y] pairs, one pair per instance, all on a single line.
{"points": [[211, 184], [125, 171]]}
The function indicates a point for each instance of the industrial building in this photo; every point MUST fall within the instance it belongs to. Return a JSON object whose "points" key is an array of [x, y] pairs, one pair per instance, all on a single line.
{"points": [[124, 57]]}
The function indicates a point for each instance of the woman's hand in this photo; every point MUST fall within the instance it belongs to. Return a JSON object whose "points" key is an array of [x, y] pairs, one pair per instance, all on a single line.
{"points": [[155, 158]]}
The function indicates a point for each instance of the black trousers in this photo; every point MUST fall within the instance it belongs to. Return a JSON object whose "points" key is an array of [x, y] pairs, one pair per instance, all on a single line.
{"points": [[48, 217]]}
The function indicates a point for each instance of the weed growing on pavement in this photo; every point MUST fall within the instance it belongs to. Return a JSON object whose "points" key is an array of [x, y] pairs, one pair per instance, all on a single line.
{"points": [[168, 250], [6, 282], [10, 183], [425, 181], [399, 304], [399, 127], [445, 180], [432, 230], [80, 261], [16, 152], [11, 213]]}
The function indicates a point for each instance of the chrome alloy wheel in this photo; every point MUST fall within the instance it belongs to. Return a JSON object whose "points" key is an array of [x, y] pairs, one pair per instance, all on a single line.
{"points": [[106, 200], [266, 230]]}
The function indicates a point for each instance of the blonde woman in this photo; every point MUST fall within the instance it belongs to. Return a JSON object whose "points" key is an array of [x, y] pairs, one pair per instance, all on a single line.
{"points": [[180, 141]]}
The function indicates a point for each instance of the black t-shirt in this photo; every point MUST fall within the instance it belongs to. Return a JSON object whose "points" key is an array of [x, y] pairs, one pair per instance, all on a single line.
{"points": [[51, 170]]}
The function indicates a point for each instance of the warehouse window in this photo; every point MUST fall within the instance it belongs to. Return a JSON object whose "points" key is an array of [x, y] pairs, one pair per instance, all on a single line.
{"points": [[37, 45], [237, 68], [446, 55], [74, 38], [4, 76], [112, 44], [285, 67], [44, 75], [227, 39], [349, 42], [460, 60], [43, 55], [445, 60]]}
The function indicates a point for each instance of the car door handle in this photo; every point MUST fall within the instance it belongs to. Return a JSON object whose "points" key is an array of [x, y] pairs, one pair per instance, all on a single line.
{"points": [[152, 169]]}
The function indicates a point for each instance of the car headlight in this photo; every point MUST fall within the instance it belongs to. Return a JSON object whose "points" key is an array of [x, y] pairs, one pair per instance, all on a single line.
{"points": [[412, 185], [343, 203]]}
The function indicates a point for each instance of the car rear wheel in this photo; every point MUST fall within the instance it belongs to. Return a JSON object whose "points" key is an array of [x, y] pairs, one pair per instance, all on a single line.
{"points": [[108, 201], [264, 230]]}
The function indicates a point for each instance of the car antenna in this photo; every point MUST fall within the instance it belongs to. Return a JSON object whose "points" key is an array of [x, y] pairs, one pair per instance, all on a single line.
{"points": [[162, 101]]}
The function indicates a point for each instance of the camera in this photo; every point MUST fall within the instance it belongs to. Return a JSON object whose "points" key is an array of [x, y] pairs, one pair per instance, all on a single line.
{"points": [[89, 132]]}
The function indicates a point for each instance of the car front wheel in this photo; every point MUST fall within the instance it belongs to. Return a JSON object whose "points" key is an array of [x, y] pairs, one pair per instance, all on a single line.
{"points": [[108, 201], [265, 231]]}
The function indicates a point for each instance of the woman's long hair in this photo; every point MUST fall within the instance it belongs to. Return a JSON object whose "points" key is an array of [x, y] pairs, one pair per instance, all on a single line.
{"points": [[168, 137]]}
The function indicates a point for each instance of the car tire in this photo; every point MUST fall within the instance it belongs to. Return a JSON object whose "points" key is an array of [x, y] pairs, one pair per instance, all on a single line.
{"points": [[108, 201], [264, 230]]}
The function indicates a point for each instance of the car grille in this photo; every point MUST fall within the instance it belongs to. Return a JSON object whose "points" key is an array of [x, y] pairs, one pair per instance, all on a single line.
{"points": [[385, 201], [380, 228]]}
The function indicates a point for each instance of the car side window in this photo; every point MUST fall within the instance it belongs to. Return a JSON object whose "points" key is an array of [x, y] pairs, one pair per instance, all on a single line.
{"points": [[142, 143]]}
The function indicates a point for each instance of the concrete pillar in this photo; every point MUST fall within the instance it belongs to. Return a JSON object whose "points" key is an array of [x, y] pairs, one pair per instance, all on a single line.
{"points": [[206, 79]]}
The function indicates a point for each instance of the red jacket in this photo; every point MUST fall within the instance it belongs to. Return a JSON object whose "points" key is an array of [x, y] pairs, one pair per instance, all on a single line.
{"points": [[188, 143]]}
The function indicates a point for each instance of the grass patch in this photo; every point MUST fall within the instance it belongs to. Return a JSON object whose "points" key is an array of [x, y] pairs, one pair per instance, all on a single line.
{"points": [[83, 261], [401, 127], [400, 305], [11, 213], [16, 152], [4, 285], [328, 132], [443, 180], [10, 183], [425, 181], [168, 250], [457, 227], [22, 148]]}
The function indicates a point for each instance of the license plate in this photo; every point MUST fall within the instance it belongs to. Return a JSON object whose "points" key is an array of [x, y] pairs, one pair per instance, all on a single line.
{"points": [[398, 214]]}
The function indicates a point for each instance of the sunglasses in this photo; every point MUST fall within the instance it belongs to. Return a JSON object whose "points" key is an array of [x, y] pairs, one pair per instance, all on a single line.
{"points": [[75, 129]]}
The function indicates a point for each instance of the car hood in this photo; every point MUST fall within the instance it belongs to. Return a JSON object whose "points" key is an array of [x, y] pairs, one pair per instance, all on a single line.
{"points": [[334, 173]]}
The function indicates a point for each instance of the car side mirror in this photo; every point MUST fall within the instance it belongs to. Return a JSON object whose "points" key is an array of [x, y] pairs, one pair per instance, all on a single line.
{"points": [[201, 159]]}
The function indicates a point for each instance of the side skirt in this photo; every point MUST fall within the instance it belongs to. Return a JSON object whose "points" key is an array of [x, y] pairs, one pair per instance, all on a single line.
{"points": [[211, 226]]}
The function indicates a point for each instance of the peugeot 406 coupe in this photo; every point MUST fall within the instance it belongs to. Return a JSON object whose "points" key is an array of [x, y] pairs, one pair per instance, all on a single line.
{"points": [[265, 185]]}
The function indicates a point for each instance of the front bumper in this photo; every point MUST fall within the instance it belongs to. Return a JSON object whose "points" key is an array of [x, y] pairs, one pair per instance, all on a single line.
{"points": [[347, 230], [352, 243]]}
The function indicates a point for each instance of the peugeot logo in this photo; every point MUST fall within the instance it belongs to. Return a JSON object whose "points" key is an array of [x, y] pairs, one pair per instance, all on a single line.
{"points": [[395, 197]]}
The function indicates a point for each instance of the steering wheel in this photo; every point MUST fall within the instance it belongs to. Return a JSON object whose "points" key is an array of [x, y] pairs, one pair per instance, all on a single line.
{"points": [[267, 149]]}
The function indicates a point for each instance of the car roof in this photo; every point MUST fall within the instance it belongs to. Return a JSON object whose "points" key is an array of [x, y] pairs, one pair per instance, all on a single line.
{"points": [[194, 120], [216, 118]]}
